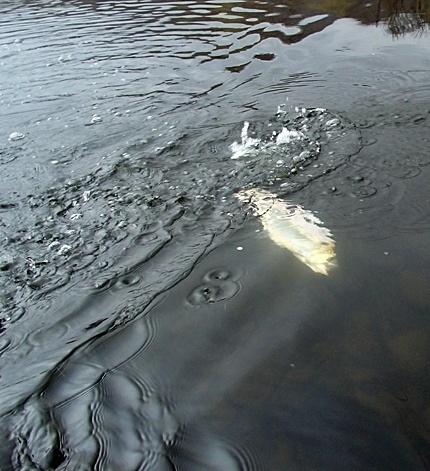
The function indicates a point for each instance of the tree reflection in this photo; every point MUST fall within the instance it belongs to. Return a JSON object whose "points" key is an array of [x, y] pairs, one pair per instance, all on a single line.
{"points": [[399, 16], [406, 16]]}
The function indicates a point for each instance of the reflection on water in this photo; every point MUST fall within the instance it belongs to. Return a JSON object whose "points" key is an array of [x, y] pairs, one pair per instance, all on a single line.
{"points": [[399, 16], [405, 17], [148, 320], [295, 229]]}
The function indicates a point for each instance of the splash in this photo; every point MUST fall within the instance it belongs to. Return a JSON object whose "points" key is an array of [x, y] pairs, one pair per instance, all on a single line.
{"points": [[250, 146], [247, 146]]}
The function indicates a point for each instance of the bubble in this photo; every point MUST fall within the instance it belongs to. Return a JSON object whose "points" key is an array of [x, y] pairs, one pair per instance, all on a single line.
{"points": [[96, 119], [16, 136], [64, 249]]}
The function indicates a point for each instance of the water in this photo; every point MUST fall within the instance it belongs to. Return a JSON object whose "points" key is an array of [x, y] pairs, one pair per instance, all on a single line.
{"points": [[150, 320]]}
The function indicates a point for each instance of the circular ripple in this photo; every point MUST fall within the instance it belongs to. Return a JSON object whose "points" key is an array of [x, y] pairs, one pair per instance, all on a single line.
{"points": [[364, 192], [208, 294], [217, 275], [42, 336], [127, 281], [217, 285]]}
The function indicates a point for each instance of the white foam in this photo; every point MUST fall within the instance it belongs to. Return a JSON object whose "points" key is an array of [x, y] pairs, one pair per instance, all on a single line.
{"points": [[247, 146], [250, 146], [286, 136]]}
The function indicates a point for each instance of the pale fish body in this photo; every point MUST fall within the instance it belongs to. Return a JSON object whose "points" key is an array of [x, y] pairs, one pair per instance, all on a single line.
{"points": [[294, 228]]}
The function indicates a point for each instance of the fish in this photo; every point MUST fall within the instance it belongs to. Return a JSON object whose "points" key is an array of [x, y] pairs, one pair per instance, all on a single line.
{"points": [[294, 228]]}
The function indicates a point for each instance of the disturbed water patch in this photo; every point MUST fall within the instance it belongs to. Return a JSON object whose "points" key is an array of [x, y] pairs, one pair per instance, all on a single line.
{"points": [[138, 224], [375, 186], [293, 148], [137, 198], [217, 285]]}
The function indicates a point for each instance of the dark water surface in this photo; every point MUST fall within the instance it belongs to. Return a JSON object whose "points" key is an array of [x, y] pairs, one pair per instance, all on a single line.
{"points": [[148, 321]]}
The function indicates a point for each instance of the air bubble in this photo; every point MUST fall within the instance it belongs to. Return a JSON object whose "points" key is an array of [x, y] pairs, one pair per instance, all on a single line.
{"points": [[64, 249], [96, 119], [16, 136]]}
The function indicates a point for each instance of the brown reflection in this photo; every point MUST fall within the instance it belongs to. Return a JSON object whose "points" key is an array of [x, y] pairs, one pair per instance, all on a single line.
{"points": [[341, 8], [399, 16], [406, 16]]}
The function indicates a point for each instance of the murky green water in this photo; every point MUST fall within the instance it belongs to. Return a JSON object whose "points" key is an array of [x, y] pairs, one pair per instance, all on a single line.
{"points": [[150, 320]]}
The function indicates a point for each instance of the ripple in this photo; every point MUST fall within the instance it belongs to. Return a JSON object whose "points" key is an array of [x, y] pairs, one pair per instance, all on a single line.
{"points": [[364, 191], [217, 275], [76, 386], [218, 285], [373, 186], [207, 294], [112, 200], [197, 445], [143, 227], [50, 334], [404, 171], [4, 345]]}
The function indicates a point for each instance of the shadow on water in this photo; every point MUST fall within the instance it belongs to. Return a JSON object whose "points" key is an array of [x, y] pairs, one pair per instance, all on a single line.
{"points": [[148, 319]]}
